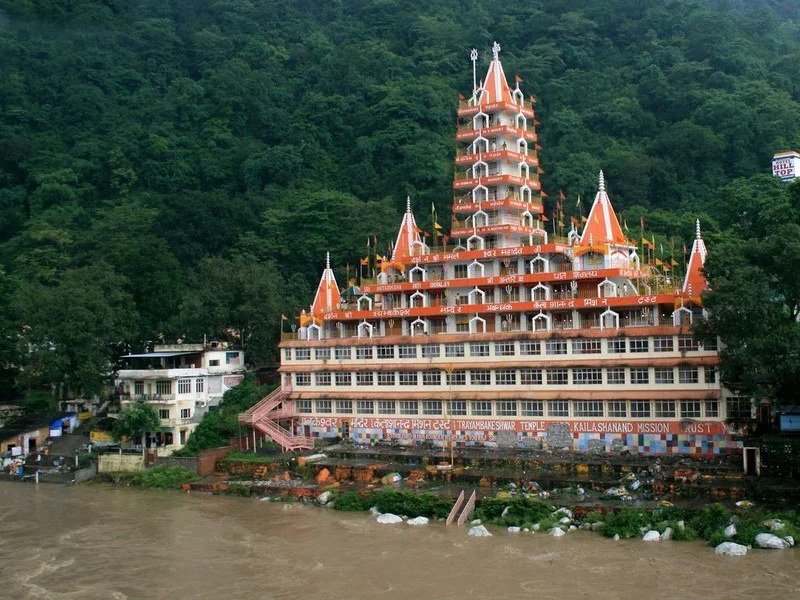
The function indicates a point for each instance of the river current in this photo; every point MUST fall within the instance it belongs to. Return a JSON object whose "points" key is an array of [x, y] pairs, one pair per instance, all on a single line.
{"points": [[95, 541]]}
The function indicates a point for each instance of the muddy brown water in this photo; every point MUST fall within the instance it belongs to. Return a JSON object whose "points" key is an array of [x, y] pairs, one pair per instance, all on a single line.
{"points": [[95, 541]]}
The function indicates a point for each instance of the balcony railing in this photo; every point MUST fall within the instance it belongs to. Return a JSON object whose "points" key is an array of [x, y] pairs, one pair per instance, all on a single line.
{"points": [[147, 397]]}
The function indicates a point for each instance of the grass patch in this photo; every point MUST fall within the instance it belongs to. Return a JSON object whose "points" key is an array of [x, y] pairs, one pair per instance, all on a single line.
{"points": [[627, 523], [522, 512], [413, 504], [352, 501], [164, 477]]}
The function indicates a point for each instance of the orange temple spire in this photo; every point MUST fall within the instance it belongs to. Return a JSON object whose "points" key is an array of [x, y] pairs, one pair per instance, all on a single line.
{"points": [[327, 297], [602, 225], [695, 282]]}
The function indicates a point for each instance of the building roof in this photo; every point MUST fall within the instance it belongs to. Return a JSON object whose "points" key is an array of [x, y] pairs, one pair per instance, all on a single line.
{"points": [[327, 297], [695, 282], [406, 237], [495, 85], [159, 354], [602, 226]]}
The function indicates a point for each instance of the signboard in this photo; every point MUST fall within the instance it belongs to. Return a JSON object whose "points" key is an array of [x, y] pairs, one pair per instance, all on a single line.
{"points": [[786, 165]]}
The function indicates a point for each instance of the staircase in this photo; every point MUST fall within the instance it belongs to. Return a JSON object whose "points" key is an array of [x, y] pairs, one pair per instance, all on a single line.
{"points": [[465, 513], [264, 416]]}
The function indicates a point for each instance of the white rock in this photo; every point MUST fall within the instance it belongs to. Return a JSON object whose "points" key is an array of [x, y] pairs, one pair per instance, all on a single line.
{"points": [[536, 526], [616, 537], [789, 540], [775, 524], [514, 530], [389, 518], [769, 541], [730, 531], [475, 522], [573, 528], [581, 491], [634, 485], [314, 457], [479, 531], [564, 511], [667, 535], [597, 526], [324, 498], [557, 532], [681, 524], [505, 512], [374, 511], [526, 530], [651, 536], [418, 521], [565, 520], [586, 526], [730, 549]]}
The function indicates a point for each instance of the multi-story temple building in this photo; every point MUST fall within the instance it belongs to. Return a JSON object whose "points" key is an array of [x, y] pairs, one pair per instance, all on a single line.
{"points": [[510, 336]]}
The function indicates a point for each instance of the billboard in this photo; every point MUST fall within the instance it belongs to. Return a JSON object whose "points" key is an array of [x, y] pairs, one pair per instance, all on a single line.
{"points": [[786, 165]]}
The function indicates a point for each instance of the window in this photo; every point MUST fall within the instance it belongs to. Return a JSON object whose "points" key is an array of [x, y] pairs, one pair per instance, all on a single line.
{"points": [[739, 409], [163, 413], [640, 376], [232, 358], [587, 376], [557, 377], [530, 408], [409, 407], [322, 378], [616, 346], [324, 406], [457, 408], [287, 355], [407, 351], [506, 377], [664, 375], [710, 345], [430, 351], [711, 374], [184, 386], [385, 378], [454, 350], [587, 408], [618, 409], [303, 406], [408, 378], [460, 271], [480, 377], [186, 413], [481, 408], [199, 386], [640, 409], [138, 388], [665, 409], [507, 408], [432, 407], [365, 407], [364, 353], [639, 344], [478, 349], [615, 376], [302, 353], [504, 349], [457, 378], [322, 353], [555, 347], [163, 386], [690, 409], [583, 346], [712, 408], [302, 379], [663, 344], [342, 353], [557, 408], [215, 362], [687, 343], [530, 347], [386, 407], [364, 378], [343, 379], [431, 378], [344, 406], [688, 375], [385, 352], [530, 376]]}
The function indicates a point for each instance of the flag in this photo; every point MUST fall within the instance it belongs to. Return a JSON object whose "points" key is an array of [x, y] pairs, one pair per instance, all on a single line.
{"points": [[641, 222], [584, 219], [365, 262], [517, 79], [536, 123], [674, 262], [578, 203], [544, 195], [537, 147], [574, 220], [533, 99], [436, 226], [625, 224], [544, 218], [561, 195], [659, 263], [284, 317], [461, 97]]}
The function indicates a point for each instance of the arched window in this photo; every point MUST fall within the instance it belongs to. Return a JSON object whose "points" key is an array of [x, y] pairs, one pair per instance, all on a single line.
{"points": [[476, 296], [540, 292], [606, 289], [417, 300], [364, 329], [419, 327], [538, 264], [477, 325], [541, 322], [364, 300], [609, 320]]}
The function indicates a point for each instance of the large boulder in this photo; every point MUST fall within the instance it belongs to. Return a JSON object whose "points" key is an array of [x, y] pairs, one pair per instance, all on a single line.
{"points": [[389, 519], [418, 521], [557, 532], [667, 535], [513, 529], [730, 549], [324, 498], [478, 531], [730, 531], [651, 536], [770, 542]]}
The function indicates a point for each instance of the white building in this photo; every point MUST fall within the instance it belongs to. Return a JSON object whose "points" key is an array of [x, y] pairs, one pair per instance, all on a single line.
{"points": [[181, 381]]}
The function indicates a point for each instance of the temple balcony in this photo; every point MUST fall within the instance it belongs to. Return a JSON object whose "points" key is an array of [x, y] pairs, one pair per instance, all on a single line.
{"points": [[465, 157], [467, 181], [467, 109], [468, 132]]}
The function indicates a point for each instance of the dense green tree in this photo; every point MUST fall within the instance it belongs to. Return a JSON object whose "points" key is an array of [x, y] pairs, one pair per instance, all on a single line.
{"points": [[135, 421]]}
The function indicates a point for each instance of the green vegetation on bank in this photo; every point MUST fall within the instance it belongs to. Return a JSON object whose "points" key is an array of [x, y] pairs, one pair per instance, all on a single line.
{"points": [[179, 169]]}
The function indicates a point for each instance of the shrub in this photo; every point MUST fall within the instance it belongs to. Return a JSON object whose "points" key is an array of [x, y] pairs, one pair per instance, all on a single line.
{"points": [[164, 477], [627, 523], [413, 504], [352, 502], [710, 522], [522, 512]]}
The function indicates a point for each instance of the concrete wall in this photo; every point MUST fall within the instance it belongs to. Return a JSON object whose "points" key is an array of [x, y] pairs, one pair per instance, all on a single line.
{"points": [[120, 463], [203, 464]]}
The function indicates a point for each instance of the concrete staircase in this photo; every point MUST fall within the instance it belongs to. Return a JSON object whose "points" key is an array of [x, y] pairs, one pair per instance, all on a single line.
{"points": [[459, 514], [265, 415]]}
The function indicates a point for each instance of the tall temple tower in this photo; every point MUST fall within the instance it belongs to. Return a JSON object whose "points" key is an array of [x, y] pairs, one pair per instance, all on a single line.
{"points": [[506, 335]]}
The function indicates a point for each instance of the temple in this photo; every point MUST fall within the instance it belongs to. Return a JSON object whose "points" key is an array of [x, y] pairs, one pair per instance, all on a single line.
{"points": [[510, 331]]}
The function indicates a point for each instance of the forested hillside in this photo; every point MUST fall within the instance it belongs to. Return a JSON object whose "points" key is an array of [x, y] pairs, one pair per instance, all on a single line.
{"points": [[175, 168]]}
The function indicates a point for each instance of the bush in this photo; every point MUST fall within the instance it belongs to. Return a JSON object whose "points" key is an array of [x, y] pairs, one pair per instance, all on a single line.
{"points": [[413, 504], [352, 502], [627, 523], [710, 522], [522, 512], [164, 477]]}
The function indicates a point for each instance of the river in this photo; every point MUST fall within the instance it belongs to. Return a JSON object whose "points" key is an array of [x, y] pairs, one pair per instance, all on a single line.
{"points": [[96, 541]]}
